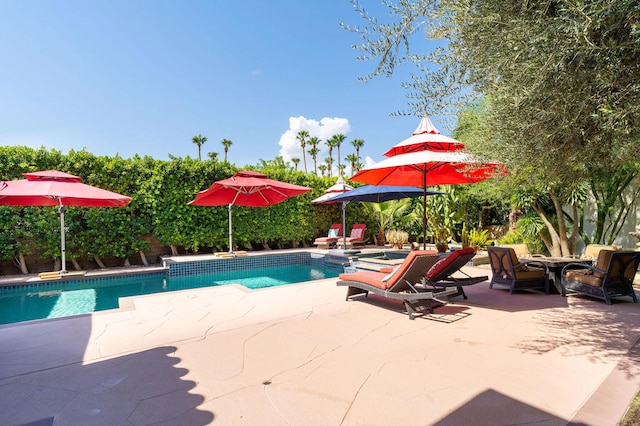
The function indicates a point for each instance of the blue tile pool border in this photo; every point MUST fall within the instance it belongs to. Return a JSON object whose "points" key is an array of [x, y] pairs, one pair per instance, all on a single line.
{"points": [[189, 268], [75, 281], [231, 264]]}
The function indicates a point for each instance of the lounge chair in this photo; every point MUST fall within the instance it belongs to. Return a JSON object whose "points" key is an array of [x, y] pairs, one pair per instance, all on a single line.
{"points": [[401, 284], [440, 275], [507, 270], [611, 276], [356, 238], [335, 232]]}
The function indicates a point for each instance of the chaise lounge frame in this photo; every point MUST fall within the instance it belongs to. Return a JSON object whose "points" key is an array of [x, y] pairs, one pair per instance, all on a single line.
{"points": [[440, 276], [403, 284], [355, 239], [328, 242]]}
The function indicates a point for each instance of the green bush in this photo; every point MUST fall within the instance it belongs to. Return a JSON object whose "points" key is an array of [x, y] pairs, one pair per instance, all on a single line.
{"points": [[160, 192]]}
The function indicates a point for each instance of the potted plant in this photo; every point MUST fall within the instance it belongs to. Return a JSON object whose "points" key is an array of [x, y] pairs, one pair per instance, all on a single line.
{"points": [[479, 239], [441, 226], [442, 236], [442, 218], [397, 238]]}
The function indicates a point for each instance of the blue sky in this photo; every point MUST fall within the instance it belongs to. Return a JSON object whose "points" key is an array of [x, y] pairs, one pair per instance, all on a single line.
{"points": [[145, 76]]}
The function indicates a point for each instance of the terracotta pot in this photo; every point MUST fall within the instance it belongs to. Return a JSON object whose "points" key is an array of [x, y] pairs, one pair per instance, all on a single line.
{"points": [[442, 248]]}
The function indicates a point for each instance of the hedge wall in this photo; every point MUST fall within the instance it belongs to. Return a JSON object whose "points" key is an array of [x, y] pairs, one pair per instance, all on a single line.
{"points": [[158, 219]]}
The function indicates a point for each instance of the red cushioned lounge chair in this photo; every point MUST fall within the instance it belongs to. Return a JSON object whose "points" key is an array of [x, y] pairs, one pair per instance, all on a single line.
{"points": [[403, 283], [356, 238], [335, 232], [441, 276]]}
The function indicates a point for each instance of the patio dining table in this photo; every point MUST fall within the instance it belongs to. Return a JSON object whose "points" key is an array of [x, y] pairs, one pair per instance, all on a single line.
{"points": [[555, 265]]}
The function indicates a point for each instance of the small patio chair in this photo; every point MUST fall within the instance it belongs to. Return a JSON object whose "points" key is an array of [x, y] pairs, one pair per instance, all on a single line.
{"points": [[507, 270], [401, 284], [591, 251], [611, 276], [335, 232], [356, 238], [441, 276]]}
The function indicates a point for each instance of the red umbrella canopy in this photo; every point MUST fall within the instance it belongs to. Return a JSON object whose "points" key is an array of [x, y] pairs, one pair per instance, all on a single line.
{"points": [[247, 188], [55, 188], [428, 168], [425, 137]]}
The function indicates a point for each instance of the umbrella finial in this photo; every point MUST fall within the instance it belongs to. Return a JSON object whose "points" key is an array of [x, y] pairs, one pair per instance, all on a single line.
{"points": [[426, 126]]}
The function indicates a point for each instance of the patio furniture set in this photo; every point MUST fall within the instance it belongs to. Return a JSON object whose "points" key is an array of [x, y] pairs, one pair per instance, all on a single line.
{"points": [[425, 280], [611, 275]]}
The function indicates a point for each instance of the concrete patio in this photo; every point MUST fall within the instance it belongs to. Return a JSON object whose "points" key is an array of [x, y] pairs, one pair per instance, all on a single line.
{"points": [[302, 355]]}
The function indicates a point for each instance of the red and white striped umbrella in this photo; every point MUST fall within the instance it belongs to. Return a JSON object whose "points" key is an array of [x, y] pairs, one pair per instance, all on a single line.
{"points": [[425, 137]]}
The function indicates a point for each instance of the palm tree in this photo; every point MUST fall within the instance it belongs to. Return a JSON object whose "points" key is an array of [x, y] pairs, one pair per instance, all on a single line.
{"points": [[295, 161], [313, 152], [302, 136], [357, 144], [213, 156], [226, 143], [331, 143], [329, 162], [322, 168], [353, 159], [339, 138], [199, 140], [341, 168], [314, 141]]}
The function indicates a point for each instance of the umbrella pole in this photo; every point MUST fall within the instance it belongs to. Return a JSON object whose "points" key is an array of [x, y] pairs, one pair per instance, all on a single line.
{"points": [[62, 240], [424, 211], [344, 224], [230, 231]]}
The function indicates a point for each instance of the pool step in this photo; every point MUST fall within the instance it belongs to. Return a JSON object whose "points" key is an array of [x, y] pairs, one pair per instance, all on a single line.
{"points": [[341, 260], [56, 275], [226, 255]]}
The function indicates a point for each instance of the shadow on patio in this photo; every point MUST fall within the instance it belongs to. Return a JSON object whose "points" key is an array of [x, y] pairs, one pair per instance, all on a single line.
{"points": [[44, 383], [494, 408]]}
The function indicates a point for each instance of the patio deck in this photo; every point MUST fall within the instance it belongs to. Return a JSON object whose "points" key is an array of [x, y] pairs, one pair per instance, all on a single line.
{"points": [[302, 355]]}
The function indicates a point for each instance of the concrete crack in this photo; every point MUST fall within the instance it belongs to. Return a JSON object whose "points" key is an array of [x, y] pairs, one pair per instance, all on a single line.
{"points": [[354, 399]]}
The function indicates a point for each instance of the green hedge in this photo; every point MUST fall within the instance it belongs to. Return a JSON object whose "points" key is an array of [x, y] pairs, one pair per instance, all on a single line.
{"points": [[160, 191]]}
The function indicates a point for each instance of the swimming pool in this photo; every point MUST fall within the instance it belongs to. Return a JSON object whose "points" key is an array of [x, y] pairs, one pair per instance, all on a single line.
{"points": [[61, 299]]}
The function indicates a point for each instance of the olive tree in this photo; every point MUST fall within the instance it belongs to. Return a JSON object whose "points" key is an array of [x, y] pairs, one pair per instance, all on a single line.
{"points": [[558, 81]]}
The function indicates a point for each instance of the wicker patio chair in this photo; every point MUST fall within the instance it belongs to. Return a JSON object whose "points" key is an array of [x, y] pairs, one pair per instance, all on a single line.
{"points": [[611, 276], [507, 270]]}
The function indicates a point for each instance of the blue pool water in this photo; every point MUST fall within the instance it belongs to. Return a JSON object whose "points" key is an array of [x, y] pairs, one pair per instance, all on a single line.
{"points": [[66, 299]]}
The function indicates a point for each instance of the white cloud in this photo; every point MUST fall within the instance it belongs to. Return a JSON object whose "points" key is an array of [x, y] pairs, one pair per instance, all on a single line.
{"points": [[323, 129]]}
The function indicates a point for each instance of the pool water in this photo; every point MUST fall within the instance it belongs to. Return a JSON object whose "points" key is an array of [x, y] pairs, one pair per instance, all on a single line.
{"points": [[67, 299]]}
